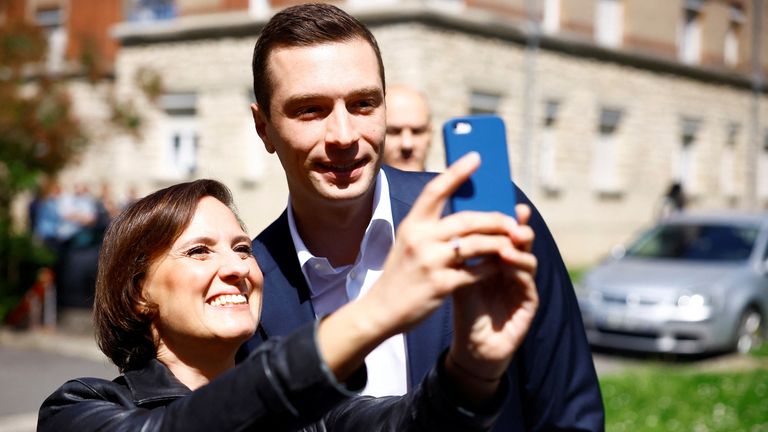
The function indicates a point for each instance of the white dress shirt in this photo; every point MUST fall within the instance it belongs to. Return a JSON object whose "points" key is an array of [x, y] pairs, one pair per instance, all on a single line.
{"points": [[331, 287]]}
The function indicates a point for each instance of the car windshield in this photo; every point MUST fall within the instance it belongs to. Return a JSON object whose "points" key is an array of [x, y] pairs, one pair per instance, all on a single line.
{"points": [[704, 242]]}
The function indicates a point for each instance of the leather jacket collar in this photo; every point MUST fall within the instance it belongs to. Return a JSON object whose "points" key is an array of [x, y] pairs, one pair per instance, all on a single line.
{"points": [[153, 383]]}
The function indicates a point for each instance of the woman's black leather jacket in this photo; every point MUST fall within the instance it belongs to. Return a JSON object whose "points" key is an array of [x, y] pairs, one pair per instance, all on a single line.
{"points": [[283, 385]]}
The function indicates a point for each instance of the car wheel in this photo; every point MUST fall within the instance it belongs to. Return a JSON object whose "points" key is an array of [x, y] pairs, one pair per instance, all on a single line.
{"points": [[750, 332]]}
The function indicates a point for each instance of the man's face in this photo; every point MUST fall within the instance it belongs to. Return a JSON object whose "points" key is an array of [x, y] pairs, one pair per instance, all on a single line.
{"points": [[408, 129], [327, 120]]}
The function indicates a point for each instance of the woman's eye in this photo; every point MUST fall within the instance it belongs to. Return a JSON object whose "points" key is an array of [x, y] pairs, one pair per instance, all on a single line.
{"points": [[244, 250], [198, 250]]}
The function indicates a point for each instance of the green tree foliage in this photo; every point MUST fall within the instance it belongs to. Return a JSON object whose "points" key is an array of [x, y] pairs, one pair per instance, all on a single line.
{"points": [[38, 135]]}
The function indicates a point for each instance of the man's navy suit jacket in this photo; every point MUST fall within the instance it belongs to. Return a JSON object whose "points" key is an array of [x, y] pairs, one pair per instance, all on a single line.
{"points": [[552, 376]]}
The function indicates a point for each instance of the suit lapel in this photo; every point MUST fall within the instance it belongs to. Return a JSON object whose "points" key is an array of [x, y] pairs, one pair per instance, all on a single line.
{"points": [[285, 304]]}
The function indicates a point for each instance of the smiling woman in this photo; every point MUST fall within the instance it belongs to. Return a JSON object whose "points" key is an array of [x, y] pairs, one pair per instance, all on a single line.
{"points": [[138, 244], [178, 292]]}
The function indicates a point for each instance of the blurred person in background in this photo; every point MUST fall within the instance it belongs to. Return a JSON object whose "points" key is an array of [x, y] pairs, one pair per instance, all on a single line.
{"points": [[106, 206], [672, 202], [78, 212], [76, 269], [409, 129], [47, 217], [131, 196]]}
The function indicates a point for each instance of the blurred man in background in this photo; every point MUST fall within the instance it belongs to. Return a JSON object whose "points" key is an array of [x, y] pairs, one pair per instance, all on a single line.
{"points": [[409, 130]]}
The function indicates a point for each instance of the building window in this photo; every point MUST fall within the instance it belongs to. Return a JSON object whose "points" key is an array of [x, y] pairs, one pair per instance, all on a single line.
{"points": [[258, 7], [483, 102], [256, 155], [181, 135], [731, 44], [689, 38], [548, 147], [364, 3], [150, 10], [609, 23], [728, 162], [686, 169], [605, 170], [551, 21], [52, 22], [762, 170]]}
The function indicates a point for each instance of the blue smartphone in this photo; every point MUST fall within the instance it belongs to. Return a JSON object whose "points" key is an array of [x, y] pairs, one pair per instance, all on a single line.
{"points": [[490, 188]]}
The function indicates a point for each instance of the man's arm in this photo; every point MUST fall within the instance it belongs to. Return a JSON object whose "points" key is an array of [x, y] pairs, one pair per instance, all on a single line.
{"points": [[557, 379]]}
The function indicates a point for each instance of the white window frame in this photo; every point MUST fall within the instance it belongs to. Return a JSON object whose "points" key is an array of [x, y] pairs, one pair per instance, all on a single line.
{"points": [[689, 37], [731, 42], [181, 136], [552, 15], [605, 152], [762, 169], [686, 168], [609, 23], [731, 46], [728, 162], [57, 48], [549, 148], [52, 21], [370, 3], [182, 142], [484, 102], [255, 155], [686, 163], [259, 8]]}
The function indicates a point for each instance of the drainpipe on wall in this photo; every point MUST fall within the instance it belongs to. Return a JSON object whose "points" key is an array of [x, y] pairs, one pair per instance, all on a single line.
{"points": [[754, 149], [532, 36]]}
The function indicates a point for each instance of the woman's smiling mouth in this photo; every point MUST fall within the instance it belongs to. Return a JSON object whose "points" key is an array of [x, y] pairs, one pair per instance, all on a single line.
{"points": [[228, 300]]}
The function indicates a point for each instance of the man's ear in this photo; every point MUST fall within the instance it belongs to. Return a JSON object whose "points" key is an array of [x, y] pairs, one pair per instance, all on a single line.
{"points": [[260, 121]]}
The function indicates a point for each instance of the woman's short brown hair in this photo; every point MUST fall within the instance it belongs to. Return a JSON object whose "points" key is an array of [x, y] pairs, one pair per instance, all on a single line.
{"points": [[134, 239]]}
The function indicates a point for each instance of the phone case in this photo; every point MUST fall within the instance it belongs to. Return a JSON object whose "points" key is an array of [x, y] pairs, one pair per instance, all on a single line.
{"points": [[490, 188]]}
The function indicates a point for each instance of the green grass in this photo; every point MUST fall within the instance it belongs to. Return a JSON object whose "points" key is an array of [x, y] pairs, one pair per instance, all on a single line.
{"points": [[678, 399], [673, 398], [761, 351]]}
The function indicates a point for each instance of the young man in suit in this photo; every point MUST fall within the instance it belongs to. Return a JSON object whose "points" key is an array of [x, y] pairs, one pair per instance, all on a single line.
{"points": [[319, 85]]}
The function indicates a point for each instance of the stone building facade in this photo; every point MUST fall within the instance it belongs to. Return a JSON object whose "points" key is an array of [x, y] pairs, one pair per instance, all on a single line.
{"points": [[598, 125]]}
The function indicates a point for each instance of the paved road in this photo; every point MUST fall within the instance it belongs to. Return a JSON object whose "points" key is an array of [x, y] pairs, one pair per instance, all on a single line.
{"points": [[30, 372], [33, 364]]}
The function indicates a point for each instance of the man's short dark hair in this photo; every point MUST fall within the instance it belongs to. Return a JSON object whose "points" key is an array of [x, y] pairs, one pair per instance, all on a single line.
{"points": [[303, 26]]}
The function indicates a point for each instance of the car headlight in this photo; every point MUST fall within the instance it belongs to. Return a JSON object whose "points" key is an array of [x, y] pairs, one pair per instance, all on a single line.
{"points": [[693, 300]]}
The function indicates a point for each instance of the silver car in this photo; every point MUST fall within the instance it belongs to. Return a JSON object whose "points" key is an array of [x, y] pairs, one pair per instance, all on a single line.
{"points": [[694, 283]]}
